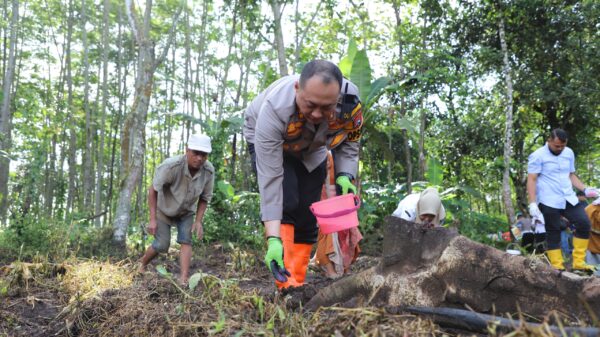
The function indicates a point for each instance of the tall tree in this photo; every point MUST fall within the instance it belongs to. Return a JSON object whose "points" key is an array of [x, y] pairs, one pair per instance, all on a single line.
{"points": [[228, 58], [100, 163], [506, 190], [132, 140], [72, 158], [407, 158], [88, 180], [277, 8], [6, 115]]}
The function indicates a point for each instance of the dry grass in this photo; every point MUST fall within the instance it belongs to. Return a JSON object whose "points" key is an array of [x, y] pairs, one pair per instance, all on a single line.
{"points": [[88, 278]]}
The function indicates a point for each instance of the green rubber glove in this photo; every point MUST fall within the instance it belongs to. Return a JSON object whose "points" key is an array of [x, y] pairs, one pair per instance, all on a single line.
{"points": [[274, 252], [345, 184]]}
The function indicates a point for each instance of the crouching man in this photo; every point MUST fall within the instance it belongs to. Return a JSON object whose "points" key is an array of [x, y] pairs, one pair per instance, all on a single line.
{"points": [[181, 190]]}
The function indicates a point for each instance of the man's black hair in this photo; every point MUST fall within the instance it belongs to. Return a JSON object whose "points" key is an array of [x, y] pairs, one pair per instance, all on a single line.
{"points": [[328, 72], [561, 134]]}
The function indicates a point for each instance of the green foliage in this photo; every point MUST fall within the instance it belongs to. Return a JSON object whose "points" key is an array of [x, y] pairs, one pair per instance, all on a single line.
{"points": [[233, 217], [378, 201], [57, 240], [32, 236], [434, 174], [361, 74], [347, 61], [436, 73]]}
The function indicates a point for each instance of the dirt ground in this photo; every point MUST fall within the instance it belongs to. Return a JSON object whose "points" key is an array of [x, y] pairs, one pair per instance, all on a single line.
{"points": [[234, 295], [230, 293]]}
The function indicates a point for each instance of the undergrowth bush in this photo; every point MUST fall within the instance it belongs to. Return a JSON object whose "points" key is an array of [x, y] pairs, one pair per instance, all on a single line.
{"points": [[56, 240], [32, 236], [233, 217]]}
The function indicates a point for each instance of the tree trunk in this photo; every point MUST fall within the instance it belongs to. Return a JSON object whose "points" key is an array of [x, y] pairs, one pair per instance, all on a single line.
{"points": [[405, 136], [277, 11], [223, 86], [200, 64], [506, 190], [72, 161], [6, 114], [422, 159], [88, 180], [100, 163], [5, 32], [438, 267], [423, 116], [301, 35], [133, 142], [116, 122], [170, 110]]}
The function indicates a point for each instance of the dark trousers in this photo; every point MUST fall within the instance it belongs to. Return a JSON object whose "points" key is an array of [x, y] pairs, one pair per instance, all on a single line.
{"points": [[531, 241], [576, 216], [300, 189]]}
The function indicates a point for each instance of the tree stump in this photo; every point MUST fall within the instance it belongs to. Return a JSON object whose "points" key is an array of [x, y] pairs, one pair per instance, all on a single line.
{"points": [[438, 267]]}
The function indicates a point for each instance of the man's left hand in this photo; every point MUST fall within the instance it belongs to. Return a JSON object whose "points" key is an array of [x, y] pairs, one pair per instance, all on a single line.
{"points": [[591, 192], [197, 228], [345, 184]]}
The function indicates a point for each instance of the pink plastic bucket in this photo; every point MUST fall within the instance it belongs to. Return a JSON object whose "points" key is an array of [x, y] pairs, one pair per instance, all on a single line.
{"points": [[337, 213]]}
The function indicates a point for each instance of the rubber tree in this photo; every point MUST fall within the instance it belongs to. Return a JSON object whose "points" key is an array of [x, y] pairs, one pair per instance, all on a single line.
{"points": [[277, 8], [506, 190], [6, 115], [132, 137]]}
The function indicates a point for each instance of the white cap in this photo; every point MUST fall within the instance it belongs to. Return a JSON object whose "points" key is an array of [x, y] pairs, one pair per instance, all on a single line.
{"points": [[199, 143]]}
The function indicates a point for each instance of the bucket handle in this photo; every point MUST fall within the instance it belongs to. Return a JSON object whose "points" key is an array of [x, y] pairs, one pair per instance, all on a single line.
{"points": [[341, 212]]}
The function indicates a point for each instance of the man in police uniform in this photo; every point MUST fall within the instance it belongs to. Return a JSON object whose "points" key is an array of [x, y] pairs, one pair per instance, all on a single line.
{"points": [[179, 194], [289, 127], [550, 181]]}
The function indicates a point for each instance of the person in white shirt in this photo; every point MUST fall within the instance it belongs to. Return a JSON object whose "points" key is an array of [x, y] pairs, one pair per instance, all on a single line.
{"points": [[550, 181]]}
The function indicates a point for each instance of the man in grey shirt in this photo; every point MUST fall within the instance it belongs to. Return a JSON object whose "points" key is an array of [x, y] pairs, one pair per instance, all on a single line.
{"points": [[180, 192], [289, 127]]}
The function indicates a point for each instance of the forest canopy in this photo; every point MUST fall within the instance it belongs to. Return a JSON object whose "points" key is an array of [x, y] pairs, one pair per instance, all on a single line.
{"points": [[457, 94]]}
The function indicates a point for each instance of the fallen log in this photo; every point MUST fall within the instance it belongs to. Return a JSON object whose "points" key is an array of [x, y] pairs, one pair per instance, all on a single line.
{"points": [[480, 323], [440, 268]]}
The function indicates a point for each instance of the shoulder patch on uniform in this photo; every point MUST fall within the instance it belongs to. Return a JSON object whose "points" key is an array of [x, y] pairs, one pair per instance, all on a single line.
{"points": [[337, 139], [357, 119], [354, 135]]}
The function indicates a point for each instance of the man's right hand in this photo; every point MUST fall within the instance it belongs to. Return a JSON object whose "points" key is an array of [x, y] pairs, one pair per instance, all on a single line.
{"points": [[152, 227], [535, 212]]}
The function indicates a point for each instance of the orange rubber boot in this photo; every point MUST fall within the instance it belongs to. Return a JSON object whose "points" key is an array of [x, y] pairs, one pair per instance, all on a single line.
{"points": [[301, 260], [287, 238]]}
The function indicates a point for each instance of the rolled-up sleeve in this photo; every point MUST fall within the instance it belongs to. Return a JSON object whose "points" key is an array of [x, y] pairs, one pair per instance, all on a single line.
{"points": [[269, 162]]}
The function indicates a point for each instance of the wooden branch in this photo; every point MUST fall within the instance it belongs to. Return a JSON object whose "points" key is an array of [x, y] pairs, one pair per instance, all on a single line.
{"points": [[165, 50], [95, 216], [476, 322], [133, 22], [305, 31], [266, 40]]}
